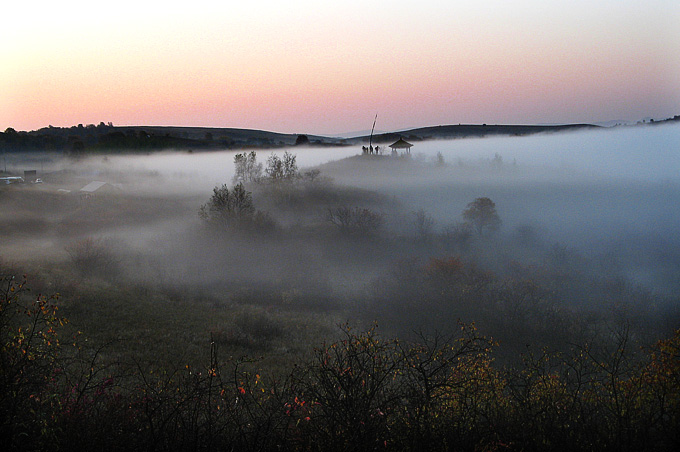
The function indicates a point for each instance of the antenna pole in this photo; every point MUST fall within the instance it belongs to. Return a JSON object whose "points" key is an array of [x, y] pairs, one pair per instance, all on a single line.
{"points": [[370, 140]]}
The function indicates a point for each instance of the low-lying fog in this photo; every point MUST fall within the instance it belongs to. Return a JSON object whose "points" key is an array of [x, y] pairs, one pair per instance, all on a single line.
{"points": [[599, 192]]}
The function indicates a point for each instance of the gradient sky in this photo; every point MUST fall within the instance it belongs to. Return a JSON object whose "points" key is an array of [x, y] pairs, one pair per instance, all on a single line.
{"points": [[312, 67]]}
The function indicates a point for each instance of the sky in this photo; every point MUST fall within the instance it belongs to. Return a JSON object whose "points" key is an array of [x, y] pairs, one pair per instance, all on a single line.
{"points": [[329, 67]]}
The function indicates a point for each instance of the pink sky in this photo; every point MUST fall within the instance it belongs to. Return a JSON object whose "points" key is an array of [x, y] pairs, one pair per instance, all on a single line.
{"points": [[306, 67]]}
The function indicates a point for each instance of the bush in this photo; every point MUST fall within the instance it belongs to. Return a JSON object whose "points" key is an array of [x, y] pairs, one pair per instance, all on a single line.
{"points": [[355, 220], [93, 257], [261, 326], [29, 352], [361, 392], [228, 206], [424, 224], [235, 209], [458, 235]]}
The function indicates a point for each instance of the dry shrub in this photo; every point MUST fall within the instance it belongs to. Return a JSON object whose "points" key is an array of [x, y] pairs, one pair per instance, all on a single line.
{"points": [[93, 257], [355, 220]]}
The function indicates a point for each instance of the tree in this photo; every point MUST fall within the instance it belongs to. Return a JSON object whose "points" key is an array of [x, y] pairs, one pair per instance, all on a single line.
{"points": [[235, 209], [290, 168], [240, 164], [274, 170], [282, 169], [481, 214], [312, 175], [228, 207], [424, 224], [355, 220], [301, 140], [246, 168]]}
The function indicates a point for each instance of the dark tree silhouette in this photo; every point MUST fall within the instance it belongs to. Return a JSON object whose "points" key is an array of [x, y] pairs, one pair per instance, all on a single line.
{"points": [[228, 207], [481, 214], [301, 139]]}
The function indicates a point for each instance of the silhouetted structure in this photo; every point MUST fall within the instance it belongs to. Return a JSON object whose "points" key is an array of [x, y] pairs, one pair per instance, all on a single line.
{"points": [[401, 144]]}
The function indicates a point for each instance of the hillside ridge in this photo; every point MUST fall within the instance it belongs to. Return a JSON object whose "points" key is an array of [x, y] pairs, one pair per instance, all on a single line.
{"points": [[109, 138]]}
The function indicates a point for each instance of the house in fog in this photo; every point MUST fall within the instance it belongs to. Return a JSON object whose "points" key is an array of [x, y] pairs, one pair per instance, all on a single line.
{"points": [[96, 187], [401, 144]]}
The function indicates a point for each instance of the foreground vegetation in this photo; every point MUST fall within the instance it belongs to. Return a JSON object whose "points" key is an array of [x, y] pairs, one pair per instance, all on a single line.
{"points": [[362, 392]]}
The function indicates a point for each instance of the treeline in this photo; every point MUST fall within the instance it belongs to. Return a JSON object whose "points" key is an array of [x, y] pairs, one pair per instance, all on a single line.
{"points": [[81, 139], [362, 392], [85, 139]]}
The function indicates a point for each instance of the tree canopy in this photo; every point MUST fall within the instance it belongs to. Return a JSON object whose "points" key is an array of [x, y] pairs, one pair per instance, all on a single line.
{"points": [[481, 214], [227, 206]]}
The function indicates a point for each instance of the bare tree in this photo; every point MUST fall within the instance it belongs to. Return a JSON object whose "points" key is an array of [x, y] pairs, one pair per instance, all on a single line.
{"points": [[246, 168], [355, 220], [282, 169]]}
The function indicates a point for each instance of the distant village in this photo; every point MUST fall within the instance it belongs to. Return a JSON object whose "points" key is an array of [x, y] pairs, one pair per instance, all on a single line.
{"points": [[86, 192]]}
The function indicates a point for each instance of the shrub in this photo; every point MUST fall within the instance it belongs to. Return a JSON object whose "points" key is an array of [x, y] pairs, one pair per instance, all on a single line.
{"points": [[260, 325], [93, 257], [351, 391], [355, 220], [29, 352], [312, 175], [458, 235], [424, 224], [235, 209], [228, 206]]}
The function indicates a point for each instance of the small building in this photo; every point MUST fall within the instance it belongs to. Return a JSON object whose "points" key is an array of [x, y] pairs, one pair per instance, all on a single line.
{"points": [[401, 144], [88, 191]]}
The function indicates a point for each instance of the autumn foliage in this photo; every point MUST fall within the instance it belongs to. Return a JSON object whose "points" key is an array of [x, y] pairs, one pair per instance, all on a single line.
{"points": [[360, 392]]}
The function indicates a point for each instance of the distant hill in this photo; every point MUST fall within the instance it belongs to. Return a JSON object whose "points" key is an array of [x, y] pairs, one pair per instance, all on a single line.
{"points": [[468, 131], [92, 138]]}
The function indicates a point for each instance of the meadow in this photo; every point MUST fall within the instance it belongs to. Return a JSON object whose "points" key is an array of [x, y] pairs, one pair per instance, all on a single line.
{"points": [[347, 301]]}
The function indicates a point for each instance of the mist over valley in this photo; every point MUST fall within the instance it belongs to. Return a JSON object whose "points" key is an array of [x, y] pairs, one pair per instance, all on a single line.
{"points": [[485, 254], [606, 195]]}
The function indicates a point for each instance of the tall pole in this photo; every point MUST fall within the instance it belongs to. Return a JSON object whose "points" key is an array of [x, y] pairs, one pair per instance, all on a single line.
{"points": [[370, 140]]}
